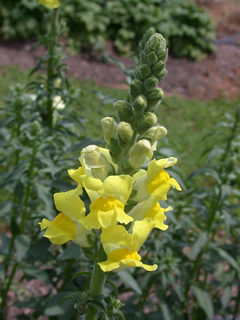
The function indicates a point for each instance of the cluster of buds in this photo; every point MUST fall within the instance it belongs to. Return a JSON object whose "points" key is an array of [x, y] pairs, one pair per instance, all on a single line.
{"points": [[133, 140]]}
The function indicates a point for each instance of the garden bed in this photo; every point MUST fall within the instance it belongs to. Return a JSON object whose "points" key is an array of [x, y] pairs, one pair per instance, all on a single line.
{"points": [[216, 75]]}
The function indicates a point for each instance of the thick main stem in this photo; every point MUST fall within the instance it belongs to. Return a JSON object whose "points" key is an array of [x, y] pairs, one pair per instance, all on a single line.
{"points": [[96, 285]]}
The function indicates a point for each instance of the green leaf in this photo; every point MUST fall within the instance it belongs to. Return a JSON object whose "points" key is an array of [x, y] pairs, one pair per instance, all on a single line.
{"points": [[226, 296], [199, 244], [204, 301], [36, 273], [81, 273], [129, 281], [112, 284], [223, 254], [5, 243], [5, 208], [56, 307], [22, 244], [71, 252], [164, 308], [208, 172]]}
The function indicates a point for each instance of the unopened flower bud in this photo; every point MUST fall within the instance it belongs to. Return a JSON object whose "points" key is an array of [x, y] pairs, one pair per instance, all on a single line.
{"points": [[125, 110], [140, 104], [156, 93], [140, 153], [57, 83], [97, 160], [155, 133], [36, 128], [162, 75], [125, 132], [152, 58], [157, 43], [136, 88], [158, 68], [142, 72], [148, 120], [154, 99], [109, 127], [150, 83]]}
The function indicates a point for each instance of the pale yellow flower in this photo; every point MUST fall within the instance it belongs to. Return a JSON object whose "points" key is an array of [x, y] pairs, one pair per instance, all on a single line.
{"points": [[50, 4], [122, 247]]}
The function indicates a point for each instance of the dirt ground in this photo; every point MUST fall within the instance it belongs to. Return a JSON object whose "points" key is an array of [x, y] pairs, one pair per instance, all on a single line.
{"points": [[217, 75]]}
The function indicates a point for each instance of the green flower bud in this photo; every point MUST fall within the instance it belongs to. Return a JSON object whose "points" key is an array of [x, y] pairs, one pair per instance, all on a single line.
{"points": [[153, 105], [125, 110], [162, 75], [157, 43], [57, 83], [150, 83], [156, 93], [136, 88], [36, 128], [146, 37], [163, 56], [140, 104], [149, 119], [140, 153], [142, 71], [125, 132], [155, 133], [154, 99], [158, 68], [109, 127], [152, 58]]}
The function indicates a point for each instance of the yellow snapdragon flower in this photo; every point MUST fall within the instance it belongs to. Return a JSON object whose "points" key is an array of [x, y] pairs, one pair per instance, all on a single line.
{"points": [[67, 226], [108, 200], [122, 247], [50, 4], [155, 181], [150, 209]]}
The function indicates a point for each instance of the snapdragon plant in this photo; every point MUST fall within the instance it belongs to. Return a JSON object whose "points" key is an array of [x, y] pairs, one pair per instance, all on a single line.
{"points": [[123, 196]]}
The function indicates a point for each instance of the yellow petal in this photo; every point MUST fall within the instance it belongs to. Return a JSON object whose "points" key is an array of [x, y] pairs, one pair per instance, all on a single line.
{"points": [[120, 259], [141, 231], [50, 4], [92, 186], [139, 211], [76, 174], [160, 184], [60, 230], [70, 203], [158, 216], [115, 237], [106, 212], [119, 187]]}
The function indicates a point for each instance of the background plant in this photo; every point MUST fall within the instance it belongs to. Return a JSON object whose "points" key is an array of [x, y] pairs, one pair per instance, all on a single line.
{"points": [[37, 125], [187, 27]]}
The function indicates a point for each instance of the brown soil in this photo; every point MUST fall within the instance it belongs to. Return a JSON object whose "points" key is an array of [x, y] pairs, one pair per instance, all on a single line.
{"points": [[217, 75]]}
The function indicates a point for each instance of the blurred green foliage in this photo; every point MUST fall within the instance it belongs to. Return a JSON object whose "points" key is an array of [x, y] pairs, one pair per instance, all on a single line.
{"points": [[187, 27]]}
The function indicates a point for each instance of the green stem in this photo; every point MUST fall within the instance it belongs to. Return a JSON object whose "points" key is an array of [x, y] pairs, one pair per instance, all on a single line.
{"points": [[5, 290], [96, 285], [50, 67], [28, 190]]}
